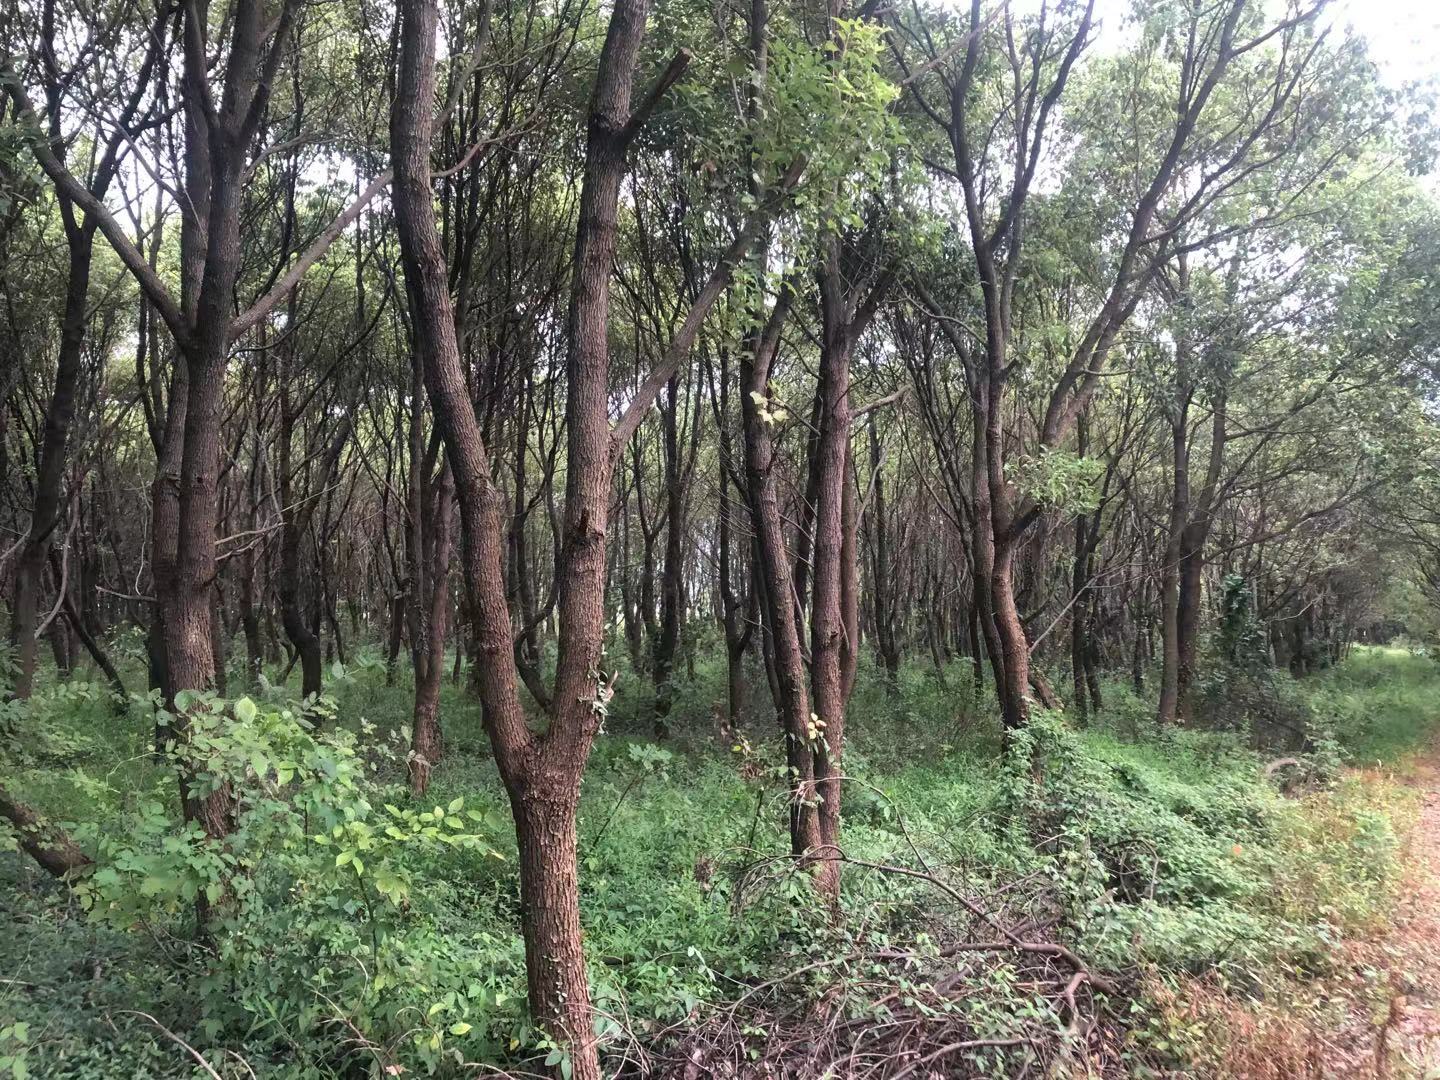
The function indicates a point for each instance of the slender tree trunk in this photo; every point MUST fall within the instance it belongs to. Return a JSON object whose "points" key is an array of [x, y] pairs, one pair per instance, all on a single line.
{"points": [[250, 619], [295, 523], [1092, 637], [398, 604], [832, 559], [792, 697], [219, 651], [1079, 612], [667, 642], [983, 548], [97, 653], [1170, 569], [732, 609], [1187, 618], [880, 583], [426, 743]]}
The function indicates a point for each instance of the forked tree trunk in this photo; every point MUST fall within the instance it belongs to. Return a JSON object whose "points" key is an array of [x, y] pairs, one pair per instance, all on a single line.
{"points": [[541, 772], [543, 781]]}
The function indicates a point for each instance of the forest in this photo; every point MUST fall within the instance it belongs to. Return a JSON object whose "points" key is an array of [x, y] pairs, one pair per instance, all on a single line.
{"points": [[655, 538]]}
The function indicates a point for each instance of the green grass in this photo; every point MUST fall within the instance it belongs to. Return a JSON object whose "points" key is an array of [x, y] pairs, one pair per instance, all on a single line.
{"points": [[1381, 703]]}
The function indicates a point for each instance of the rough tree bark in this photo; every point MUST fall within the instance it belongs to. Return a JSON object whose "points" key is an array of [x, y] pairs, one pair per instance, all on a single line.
{"points": [[47, 844], [541, 774]]}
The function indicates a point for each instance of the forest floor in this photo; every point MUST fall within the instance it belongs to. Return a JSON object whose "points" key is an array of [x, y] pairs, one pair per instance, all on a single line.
{"points": [[1408, 1042], [1254, 933], [1393, 1034]]}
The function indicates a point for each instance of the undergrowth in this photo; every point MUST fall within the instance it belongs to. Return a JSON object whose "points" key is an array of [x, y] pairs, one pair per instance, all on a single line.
{"points": [[365, 933]]}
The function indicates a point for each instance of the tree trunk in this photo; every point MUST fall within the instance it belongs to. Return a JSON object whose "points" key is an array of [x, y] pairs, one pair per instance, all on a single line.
{"points": [[250, 620], [426, 744], [295, 523], [1010, 632], [880, 583], [50, 476], [97, 653], [219, 647], [1170, 570], [398, 604], [47, 844], [792, 698], [827, 621], [541, 773], [667, 642], [1079, 611], [550, 913], [732, 609], [1187, 617]]}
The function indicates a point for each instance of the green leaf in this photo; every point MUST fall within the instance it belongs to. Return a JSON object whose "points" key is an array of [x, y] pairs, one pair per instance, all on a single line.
{"points": [[459, 1028], [245, 710]]}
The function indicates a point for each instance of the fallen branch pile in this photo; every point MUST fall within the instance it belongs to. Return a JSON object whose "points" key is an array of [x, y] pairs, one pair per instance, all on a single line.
{"points": [[982, 987]]}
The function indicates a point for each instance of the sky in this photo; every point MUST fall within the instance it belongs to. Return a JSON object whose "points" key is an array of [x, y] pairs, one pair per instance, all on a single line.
{"points": [[1404, 35]]}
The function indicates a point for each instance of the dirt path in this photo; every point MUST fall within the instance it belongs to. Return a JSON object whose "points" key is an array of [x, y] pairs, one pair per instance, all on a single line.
{"points": [[1409, 1040]]}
